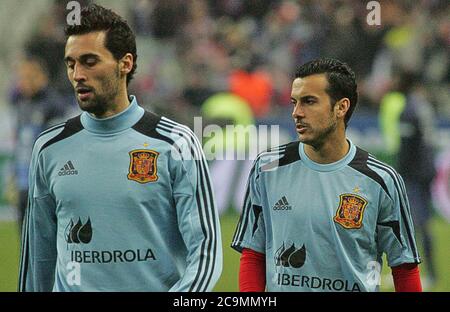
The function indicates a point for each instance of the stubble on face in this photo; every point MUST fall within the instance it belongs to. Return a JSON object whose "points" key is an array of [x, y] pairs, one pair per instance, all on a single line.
{"points": [[320, 136], [102, 98]]}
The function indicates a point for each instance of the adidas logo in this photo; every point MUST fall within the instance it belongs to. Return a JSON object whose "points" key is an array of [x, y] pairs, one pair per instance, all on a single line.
{"points": [[282, 204], [68, 169]]}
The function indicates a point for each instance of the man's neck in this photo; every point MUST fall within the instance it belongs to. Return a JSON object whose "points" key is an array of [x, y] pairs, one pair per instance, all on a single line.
{"points": [[121, 102], [329, 152]]}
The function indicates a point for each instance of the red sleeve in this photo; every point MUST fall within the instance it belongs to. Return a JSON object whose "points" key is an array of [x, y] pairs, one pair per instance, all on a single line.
{"points": [[407, 278], [252, 271]]}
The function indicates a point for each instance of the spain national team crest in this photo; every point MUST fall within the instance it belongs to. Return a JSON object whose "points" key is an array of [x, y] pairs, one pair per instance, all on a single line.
{"points": [[350, 211], [143, 166]]}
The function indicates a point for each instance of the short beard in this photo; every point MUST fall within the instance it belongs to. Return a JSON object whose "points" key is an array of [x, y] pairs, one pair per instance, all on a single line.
{"points": [[322, 136], [101, 103]]}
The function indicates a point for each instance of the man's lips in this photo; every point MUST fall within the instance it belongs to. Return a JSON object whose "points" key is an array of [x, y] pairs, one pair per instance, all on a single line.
{"points": [[301, 128], [83, 93], [84, 96]]}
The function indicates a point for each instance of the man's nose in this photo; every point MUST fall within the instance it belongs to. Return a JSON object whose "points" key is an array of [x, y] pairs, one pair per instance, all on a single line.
{"points": [[78, 73], [298, 112]]}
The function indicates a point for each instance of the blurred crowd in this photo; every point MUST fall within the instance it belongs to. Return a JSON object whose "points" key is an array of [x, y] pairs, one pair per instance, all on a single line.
{"points": [[196, 48], [190, 50]]}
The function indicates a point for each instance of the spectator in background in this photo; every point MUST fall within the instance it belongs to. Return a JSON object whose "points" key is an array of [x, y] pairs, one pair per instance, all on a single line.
{"points": [[230, 151], [255, 86], [37, 106], [168, 17], [415, 161]]}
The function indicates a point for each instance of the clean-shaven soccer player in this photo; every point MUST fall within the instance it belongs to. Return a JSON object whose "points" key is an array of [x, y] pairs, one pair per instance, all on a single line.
{"points": [[120, 199], [319, 213]]}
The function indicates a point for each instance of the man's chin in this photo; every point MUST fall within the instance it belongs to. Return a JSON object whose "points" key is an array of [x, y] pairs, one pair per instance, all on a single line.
{"points": [[87, 106], [304, 139], [91, 107], [309, 141], [84, 104]]}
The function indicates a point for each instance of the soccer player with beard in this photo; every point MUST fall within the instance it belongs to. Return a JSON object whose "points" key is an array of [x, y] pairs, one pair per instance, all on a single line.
{"points": [[320, 212], [120, 199]]}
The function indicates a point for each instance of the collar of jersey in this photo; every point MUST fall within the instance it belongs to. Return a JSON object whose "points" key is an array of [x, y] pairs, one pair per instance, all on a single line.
{"points": [[122, 121], [327, 167]]}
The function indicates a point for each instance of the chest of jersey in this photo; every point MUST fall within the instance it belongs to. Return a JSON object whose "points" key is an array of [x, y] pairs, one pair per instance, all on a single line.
{"points": [[319, 210], [109, 173]]}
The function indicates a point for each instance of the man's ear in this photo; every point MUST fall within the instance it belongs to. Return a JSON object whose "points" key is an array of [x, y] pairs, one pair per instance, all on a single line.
{"points": [[126, 64], [342, 106]]}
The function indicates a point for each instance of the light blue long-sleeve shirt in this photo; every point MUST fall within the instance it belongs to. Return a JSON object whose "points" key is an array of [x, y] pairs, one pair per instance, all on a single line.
{"points": [[120, 204]]}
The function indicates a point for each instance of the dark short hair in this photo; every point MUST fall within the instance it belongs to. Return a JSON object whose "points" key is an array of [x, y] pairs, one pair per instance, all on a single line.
{"points": [[119, 39], [341, 80]]}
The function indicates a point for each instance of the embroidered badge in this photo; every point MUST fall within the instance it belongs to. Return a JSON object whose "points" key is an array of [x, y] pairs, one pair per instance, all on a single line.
{"points": [[350, 211], [143, 166]]}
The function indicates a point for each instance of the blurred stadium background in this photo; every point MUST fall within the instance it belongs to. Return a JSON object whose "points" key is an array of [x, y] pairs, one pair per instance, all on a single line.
{"points": [[191, 50]]}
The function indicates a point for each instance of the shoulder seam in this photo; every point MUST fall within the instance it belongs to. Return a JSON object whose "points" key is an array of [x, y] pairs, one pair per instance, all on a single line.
{"points": [[71, 127], [53, 128], [289, 154], [147, 126], [359, 163]]}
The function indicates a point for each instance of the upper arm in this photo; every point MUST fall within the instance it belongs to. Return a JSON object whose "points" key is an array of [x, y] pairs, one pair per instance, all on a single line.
{"points": [[250, 230], [395, 225]]}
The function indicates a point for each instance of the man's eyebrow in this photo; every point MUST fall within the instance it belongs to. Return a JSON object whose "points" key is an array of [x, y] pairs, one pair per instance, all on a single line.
{"points": [[88, 55], [308, 97], [82, 57], [305, 97]]}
